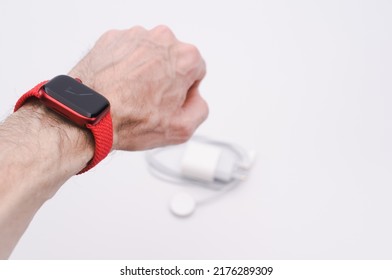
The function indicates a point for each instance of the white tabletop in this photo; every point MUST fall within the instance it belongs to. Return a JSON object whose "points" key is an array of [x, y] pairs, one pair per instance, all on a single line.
{"points": [[307, 84]]}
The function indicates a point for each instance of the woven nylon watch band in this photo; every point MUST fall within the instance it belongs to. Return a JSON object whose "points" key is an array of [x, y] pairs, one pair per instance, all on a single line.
{"points": [[102, 131]]}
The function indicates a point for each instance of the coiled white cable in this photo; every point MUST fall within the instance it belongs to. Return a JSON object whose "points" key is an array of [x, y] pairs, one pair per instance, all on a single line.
{"points": [[208, 163]]}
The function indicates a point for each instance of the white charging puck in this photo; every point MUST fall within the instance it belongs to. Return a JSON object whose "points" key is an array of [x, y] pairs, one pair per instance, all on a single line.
{"points": [[182, 205]]}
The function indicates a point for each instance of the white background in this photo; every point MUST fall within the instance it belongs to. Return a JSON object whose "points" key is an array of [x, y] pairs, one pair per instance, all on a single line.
{"points": [[307, 84]]}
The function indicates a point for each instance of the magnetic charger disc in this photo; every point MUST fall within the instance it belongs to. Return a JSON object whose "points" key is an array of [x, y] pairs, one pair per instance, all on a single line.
{"points": [[182, 205]]}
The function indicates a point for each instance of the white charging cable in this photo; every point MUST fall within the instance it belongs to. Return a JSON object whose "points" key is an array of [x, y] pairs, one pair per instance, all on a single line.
{"points": [[216, 165]]}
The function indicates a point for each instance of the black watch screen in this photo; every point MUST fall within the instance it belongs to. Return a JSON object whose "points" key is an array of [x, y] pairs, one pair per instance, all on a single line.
{"points": [[76, 96]]}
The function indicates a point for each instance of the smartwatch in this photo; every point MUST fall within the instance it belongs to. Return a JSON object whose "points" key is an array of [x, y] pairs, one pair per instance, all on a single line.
{"points": [[81, 105]]}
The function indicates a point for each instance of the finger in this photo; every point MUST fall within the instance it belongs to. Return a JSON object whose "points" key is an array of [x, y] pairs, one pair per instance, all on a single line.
{"points": [[189, 63], [193, 112], [195, 108]]}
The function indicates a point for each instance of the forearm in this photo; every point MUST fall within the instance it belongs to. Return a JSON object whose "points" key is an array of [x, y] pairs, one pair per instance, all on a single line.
{"points": [[39, 152]]}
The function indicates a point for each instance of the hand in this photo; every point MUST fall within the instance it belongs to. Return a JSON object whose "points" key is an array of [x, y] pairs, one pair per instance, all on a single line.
{"points": [[152, 82]]}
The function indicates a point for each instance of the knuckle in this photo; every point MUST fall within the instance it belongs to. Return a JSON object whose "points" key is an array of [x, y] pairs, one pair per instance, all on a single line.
{"points": [[162, 29], [183, 131], [191, 54], [109, 35], [163, 34], [137, 29], [192, 51], [205, 111]]}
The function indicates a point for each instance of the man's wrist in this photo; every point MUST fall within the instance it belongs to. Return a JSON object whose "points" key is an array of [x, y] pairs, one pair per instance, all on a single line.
{"points": [[55, 146], [70, 140], [39, 151]]}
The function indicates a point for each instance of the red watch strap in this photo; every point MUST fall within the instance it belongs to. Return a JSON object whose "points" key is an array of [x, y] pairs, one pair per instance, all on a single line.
{"points": [[34, 92], [102, 131], [103, 135]]}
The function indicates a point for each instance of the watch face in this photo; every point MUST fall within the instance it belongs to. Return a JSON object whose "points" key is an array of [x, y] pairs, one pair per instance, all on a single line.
{"points": [[76, 96]]}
